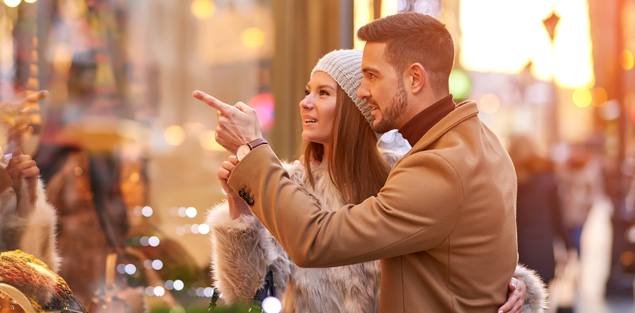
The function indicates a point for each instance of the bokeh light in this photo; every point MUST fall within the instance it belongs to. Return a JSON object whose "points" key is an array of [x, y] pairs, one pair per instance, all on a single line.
{"points": [[130, 269], [626, 60], [264, 106], [154, 241], [208, 141], [203, 9], [489, 103], [178, 285], [203, 229], [252, 37], [12, 3], [174, 135], [146, 211], [191, 212], [63, 58], [582, 97], [599, 96], [159, 291], [271, 305], [460, 84], [157, 264]]}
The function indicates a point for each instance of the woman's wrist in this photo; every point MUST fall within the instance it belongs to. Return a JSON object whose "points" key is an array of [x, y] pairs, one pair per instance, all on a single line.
{"points": [[237, 207]]}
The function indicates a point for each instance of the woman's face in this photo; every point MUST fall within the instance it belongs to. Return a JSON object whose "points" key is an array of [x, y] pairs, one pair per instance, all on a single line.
{"points": [[318, 108]]}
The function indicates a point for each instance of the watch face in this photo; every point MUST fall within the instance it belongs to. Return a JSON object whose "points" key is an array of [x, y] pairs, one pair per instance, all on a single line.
{"points": [[242, 152]]}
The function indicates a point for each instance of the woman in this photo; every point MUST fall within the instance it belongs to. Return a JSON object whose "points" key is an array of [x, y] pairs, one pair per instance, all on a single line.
{"points": [[342, 165]]}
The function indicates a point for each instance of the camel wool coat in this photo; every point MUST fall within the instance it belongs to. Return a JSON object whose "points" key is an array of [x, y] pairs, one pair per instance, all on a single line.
{"points": [[443, 226]]}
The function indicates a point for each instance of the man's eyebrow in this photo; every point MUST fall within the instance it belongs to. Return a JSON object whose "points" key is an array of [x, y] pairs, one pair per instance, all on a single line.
{"points": [[370, 69]]}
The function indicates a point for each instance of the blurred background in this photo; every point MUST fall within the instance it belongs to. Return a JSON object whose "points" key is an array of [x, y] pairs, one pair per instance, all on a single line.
{"points": [[129, 157]]}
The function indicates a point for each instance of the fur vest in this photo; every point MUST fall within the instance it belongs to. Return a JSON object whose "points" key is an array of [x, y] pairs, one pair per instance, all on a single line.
{"points": [[243, 251], [34, 234]]}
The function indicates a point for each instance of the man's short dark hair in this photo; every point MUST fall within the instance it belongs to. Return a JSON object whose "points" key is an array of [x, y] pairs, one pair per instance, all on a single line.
{"points": [[415, 38]]}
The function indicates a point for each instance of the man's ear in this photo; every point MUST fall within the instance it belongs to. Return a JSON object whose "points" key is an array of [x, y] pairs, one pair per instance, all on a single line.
{"points": [[416, 77]]}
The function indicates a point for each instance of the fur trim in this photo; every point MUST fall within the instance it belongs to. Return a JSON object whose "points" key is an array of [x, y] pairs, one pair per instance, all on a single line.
{"points": [[34, 234], [536, 300], [242, 253]]}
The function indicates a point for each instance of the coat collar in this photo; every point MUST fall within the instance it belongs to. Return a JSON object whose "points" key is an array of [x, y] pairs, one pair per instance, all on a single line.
{"points": [[464, 110]]}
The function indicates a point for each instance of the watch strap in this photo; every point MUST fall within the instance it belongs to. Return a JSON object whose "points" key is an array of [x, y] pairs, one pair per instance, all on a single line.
{"points": [[258, 142]]}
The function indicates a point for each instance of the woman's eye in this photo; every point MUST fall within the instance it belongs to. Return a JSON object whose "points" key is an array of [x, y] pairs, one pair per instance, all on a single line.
{"points": [[324, 93], [306, 92]]}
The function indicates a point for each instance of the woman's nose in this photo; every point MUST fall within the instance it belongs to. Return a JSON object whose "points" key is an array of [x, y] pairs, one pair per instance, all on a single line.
{"points": [[307, 103]]}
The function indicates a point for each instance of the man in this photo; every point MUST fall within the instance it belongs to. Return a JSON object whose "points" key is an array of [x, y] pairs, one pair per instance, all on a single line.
{"points": [[443, 225]]}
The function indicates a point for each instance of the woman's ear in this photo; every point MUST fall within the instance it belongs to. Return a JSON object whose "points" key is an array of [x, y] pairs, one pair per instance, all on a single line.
{"points": [[417, 77]]}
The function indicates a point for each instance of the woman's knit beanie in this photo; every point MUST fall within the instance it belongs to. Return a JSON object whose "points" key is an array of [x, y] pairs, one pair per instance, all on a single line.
{"points": [[345, 67]]}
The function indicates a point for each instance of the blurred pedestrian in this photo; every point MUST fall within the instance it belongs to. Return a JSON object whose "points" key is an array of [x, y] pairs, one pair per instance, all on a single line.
{"points": [[581, 185], [539, 211]]}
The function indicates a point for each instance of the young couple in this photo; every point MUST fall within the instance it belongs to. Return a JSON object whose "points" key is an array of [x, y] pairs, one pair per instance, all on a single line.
{"points": [[441, 218]]}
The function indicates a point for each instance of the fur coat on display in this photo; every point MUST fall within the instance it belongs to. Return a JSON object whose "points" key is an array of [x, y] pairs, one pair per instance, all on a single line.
{"points": [[243, 251], [35, 234]]}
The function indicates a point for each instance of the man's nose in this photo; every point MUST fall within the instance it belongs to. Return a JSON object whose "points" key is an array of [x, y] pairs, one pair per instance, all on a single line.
{"points": [[363, 92]]}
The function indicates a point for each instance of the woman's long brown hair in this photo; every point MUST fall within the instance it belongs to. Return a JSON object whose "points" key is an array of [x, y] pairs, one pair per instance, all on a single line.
{"points": [[355, 165]]}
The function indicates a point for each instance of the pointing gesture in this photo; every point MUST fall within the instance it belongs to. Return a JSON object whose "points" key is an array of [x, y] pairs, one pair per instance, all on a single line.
{"points": [[237, 125]]}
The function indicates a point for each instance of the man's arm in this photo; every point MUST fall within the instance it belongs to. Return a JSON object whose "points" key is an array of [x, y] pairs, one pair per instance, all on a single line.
{"points": [[416, 210]]}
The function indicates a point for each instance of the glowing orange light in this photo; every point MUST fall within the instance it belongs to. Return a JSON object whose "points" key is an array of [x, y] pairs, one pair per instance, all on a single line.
{"points": [[203, 9], [134, 177], [489, 103], [599, 96], [626, 60], [253, 37]]}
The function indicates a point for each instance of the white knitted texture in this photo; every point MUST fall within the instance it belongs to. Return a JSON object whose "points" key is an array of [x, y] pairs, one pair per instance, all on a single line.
{"points": [[345, 67]]}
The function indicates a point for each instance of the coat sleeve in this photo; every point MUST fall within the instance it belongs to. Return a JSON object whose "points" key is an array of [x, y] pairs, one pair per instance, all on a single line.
{"points": [[536, 299], [34, 234], [409, 214], [242, 253]]}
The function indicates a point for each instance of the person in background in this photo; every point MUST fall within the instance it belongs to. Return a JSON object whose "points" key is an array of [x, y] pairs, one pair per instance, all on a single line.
{"points": [[539, 211]]}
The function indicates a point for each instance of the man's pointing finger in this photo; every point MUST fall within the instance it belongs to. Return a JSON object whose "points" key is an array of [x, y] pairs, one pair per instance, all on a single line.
{"points": [[213, 102]]}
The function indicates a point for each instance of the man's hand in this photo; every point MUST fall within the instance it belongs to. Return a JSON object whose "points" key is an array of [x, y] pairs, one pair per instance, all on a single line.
{"points": [[24, 173], [515, 298], [237, 125]]}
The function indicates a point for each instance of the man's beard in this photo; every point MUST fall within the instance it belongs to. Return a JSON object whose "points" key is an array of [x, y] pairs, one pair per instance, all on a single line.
{"points": [[391, 113]]}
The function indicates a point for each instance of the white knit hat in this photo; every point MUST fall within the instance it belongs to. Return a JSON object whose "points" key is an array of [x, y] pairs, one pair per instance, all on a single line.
{"points": [[345, 67]]}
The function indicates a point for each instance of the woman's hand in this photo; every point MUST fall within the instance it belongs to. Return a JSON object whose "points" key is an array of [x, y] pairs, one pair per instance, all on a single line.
{"points": [[223, 175], [515, 298], [237, 206]]}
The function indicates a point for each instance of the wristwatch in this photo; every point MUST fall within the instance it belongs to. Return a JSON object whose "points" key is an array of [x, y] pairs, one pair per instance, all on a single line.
{"points": [[243, 150]]}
